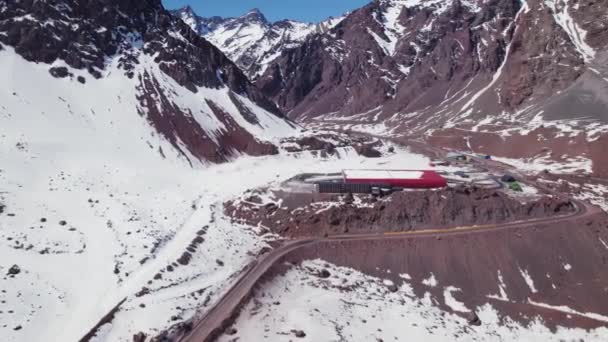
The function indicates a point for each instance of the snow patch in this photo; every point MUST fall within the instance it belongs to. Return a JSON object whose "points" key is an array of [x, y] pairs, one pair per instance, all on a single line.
{"points": [[430, 281], [561, 13], [528, 279], [451, 301]]}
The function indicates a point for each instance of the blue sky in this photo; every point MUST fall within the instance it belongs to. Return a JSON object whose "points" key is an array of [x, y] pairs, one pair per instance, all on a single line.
{"points": [[303, 10]]}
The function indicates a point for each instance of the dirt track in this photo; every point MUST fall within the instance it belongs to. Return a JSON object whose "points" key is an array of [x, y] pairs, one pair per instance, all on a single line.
{"points": [[221, 315]]}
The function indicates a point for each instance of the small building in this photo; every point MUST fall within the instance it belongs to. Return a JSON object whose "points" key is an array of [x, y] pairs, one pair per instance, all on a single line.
{"points": [[371, 181]]}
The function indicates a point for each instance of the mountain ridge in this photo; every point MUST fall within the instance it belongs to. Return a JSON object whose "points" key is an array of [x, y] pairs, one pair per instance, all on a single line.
{"points": [[436, 68], [144, 43], [250, 40]]}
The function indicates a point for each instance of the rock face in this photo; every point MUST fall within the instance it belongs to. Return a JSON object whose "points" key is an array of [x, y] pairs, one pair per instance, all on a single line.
{"points": [[162, 55], [408, 55], [250, 40], [439, 67]]}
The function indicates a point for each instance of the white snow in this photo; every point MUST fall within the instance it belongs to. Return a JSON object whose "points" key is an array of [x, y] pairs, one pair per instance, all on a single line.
{"points": [[502, 288], [567, 267], [83, 154], [393, 30], [561, 13], [350, 306], [528, 279], [565, 309], [244, 40], [603, 243], [405, 276], [535, 165], [594, 193], [451, 301], [498, 72]]}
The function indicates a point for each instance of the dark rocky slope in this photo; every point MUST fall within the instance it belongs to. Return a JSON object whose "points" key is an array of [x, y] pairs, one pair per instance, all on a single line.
{"points": [[409, 57]]}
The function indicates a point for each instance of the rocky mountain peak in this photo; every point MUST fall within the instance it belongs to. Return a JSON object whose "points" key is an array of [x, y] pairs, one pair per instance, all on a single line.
{"points": [[250, 40], [186, 9], [254, 15]]}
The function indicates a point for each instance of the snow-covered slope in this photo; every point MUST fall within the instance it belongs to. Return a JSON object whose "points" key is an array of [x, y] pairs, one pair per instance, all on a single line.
{"points": [[111, 113], [250, 40], [351, 306], [188, 91], [93, 213]]}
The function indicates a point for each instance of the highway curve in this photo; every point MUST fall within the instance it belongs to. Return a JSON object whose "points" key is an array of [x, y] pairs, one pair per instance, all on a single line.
{"points": [[228, 307]]}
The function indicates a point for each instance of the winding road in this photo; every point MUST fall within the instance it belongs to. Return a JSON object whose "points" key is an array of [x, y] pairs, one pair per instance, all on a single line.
{"points": [[227, 308], [221, 314]]}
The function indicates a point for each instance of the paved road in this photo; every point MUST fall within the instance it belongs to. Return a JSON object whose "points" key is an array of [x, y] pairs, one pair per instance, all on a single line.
{"points": [[212, 324]]}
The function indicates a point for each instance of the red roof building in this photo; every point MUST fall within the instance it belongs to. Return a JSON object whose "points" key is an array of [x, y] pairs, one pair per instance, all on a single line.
{"points": [[412, 179]]}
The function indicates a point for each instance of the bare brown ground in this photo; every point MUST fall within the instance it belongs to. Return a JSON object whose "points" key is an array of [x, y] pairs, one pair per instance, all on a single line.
{"points": [[310, 214], [528, 146], [471, 262]]}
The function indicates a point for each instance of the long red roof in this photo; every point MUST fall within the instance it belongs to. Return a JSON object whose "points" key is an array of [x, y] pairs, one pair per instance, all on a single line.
{"points": [[415, 179]]}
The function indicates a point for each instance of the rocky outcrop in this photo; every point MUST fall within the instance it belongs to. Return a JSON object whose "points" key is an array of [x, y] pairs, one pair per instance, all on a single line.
{"points": [[302, 216], [14, 270]]}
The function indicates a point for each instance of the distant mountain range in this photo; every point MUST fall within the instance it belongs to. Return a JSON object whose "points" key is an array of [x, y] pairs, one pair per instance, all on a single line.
{"points": [[250, 40]]}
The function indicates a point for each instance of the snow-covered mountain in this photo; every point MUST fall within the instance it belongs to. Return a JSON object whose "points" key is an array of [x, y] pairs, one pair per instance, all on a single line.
{"points": [[250, 40], [517, 69], [112, 117], [191, 95]]}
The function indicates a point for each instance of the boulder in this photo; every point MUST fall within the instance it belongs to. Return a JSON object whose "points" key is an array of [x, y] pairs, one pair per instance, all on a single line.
{"points": [[139, 337], [324, 274], [14, 270], [184, 259], [59, 72]]}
